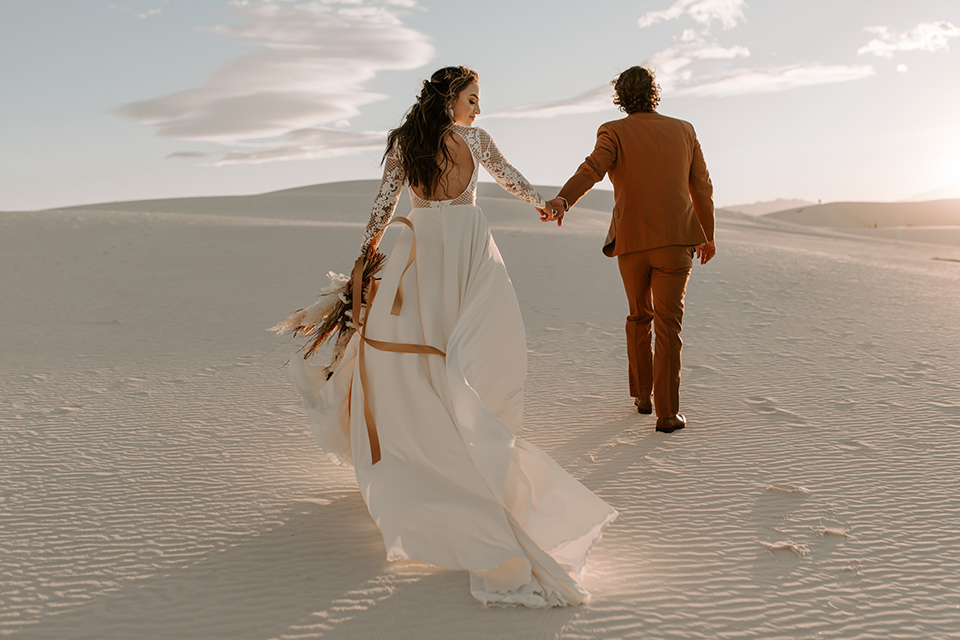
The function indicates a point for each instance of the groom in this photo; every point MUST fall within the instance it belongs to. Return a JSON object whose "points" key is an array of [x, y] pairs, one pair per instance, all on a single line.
{"points": [[662, 216]]}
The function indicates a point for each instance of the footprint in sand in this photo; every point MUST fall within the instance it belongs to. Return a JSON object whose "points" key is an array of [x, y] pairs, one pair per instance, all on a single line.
{"points": [[795, 548], [62, 411], [899, 379], [793, 521], [789, 490], [767, 407], [854, 445], [705, 368]]}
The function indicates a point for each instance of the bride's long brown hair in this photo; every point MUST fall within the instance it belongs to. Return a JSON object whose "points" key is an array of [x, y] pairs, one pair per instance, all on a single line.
{"points": [[420, 139]]}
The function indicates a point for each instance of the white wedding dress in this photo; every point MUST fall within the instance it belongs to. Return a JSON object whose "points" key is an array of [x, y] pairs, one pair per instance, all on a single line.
{"points": [[455, 487]]}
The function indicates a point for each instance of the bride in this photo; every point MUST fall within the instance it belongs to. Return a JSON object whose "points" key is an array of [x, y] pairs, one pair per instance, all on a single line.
{"points": [[428, 396]]}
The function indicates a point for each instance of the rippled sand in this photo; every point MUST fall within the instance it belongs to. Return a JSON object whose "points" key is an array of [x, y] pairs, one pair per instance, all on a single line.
{"points": [[157, 479]]}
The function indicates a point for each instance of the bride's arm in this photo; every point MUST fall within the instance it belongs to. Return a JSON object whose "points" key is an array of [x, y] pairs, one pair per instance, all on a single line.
{"points": [[505, 174], [385, 203]]}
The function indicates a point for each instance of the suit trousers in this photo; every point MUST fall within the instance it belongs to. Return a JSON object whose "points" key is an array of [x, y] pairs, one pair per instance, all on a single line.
{"points": [[655, 281]]}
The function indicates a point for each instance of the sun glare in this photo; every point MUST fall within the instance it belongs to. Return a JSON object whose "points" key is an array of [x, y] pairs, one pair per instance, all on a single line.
{"points": [[948, 172]]}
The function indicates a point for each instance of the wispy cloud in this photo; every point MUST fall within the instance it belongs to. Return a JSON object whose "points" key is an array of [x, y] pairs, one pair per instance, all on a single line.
{"points": [[675, 66], [187, 155], [752, 81], [309, 70], [308, 143], [598, 99], [681, 74], [728, 12], [927, 36]]}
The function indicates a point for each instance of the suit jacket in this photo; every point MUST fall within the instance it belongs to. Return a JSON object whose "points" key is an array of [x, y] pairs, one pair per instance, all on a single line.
{"points": [[662, 190]]}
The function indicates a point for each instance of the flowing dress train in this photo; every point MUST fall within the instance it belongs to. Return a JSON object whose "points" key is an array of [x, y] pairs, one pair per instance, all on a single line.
{"points": [[455, 487]]}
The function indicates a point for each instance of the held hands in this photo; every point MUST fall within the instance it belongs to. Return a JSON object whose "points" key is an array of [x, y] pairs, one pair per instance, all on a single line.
{"points": [[554, 210], [706, 251]]}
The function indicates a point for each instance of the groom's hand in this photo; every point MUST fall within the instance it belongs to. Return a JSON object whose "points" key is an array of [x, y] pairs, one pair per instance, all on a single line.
{"points": [[549, 214], [554, 211], [706, 251]]}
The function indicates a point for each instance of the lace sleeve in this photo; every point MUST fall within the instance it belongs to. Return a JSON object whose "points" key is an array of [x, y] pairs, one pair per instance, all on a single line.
{"points": [[386, 201], [505, 174]]}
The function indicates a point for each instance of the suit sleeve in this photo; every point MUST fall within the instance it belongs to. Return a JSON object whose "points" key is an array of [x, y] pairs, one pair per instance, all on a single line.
{"points": [[701, 191], [597, 164]]}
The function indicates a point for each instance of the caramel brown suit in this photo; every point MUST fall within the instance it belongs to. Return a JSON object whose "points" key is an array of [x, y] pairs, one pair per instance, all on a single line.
{"points": [[663, 208]]}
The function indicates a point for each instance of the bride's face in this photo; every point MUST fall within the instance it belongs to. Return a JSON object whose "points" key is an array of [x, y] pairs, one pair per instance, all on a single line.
{"points": [[466, 107]]}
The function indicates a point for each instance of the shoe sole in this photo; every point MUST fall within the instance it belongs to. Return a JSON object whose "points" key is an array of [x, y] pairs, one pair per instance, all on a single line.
{"points": [[671, 429], [645, 412]]}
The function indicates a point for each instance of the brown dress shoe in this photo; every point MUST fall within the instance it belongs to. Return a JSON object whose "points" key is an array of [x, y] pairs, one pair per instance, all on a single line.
{"points": [[644, 405], [671, 423]]}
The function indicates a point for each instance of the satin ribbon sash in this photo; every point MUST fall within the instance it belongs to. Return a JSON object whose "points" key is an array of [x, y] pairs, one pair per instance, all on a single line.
{"points": [[395, 347]]}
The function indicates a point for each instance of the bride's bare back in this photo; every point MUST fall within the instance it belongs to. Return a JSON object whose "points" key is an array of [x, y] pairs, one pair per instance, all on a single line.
{"points": [[456, 176]]}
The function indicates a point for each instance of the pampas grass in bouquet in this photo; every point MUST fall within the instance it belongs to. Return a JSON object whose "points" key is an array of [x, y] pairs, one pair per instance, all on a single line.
{"points": [[331, 315]]}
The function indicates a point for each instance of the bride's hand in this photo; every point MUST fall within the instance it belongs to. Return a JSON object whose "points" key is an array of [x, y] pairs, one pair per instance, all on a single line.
{"points": [[553, 211]]}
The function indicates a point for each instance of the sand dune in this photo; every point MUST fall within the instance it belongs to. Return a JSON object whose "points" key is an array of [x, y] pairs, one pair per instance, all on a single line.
{"points": [[868, 215], [328, 202], [948, 192], [332, 201], [936, 221], [158, 479], [770, 206]]}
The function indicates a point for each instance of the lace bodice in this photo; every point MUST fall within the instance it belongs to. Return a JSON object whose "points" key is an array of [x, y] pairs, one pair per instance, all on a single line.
{"points": [[484, 151]]}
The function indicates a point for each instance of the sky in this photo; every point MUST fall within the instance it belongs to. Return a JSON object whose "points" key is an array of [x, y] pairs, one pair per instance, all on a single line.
{"points": [[831, 100]]}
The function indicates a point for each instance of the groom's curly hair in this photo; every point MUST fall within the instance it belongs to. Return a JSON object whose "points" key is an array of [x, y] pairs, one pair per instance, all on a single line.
{"points": [[637, 90]]}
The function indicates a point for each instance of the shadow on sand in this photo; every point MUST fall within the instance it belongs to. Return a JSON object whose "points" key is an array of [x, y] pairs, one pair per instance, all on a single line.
{"points": [[320, 574]]}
